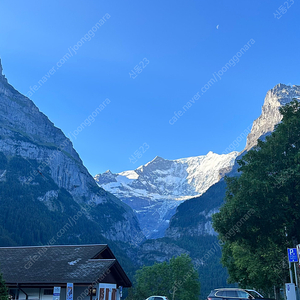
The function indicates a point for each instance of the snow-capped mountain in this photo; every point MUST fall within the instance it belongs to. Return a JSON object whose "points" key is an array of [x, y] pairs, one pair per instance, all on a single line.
{"points": [[154, 190]]}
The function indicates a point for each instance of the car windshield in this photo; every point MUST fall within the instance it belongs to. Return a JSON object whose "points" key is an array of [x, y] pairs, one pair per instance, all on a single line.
{"points": [[255, 294]]}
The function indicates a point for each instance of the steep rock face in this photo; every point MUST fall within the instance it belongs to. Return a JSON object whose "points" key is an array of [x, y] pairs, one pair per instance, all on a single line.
{"points": [[280, 95], [158, 250], [26, 132], [193, 217], [155, 189]]}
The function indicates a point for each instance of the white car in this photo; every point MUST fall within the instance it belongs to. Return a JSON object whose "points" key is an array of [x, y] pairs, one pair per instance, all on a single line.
{"points": [[157, 298]]}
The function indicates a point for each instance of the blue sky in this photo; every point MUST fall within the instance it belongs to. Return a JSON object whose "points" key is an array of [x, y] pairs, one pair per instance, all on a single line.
{"points": [[176, 48]]}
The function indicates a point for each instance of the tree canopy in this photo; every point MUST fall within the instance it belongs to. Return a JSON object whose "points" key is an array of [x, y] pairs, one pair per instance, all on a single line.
{"points": [[178, 280], [261, 215]]}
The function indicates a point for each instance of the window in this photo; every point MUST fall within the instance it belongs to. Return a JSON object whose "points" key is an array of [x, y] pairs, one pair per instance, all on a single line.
{"points": [[255, 294], [231, 294], [220, 293], [242, 294], [48, 291]]}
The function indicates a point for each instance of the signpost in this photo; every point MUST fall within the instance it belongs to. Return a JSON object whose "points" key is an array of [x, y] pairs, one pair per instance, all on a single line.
{"points": [[291, 288], [293, 257]]}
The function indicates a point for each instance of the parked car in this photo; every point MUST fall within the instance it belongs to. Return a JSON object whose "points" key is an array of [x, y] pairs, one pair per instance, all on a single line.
{"points": [[234, 294], [157, 298]]}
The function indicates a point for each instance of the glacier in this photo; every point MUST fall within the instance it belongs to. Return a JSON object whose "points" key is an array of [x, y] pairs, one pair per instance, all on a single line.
{"points": [[155, 190]]}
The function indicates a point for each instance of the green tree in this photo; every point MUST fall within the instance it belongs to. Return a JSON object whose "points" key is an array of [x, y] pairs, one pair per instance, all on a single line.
{"points": [[3, 289], [261, 215], [177, 279]]}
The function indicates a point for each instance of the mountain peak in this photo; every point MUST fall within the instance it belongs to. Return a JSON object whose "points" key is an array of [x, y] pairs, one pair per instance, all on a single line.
{"points": [[280, 95], [155, 160], [2, 77], [158, 158]]}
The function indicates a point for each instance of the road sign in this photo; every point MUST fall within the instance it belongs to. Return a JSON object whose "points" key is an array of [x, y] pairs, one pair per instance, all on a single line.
{"points": [[292, 253]]}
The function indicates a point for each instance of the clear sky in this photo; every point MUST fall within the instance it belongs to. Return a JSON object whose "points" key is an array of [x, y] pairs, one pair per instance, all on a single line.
{"points": [[176, 49]]}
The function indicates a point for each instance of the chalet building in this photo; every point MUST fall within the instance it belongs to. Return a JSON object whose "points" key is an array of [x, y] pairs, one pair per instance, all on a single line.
{"points": [[85, 272]]}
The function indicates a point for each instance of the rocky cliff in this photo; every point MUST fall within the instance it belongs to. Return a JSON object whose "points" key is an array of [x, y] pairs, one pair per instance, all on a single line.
{"points": [[47, 154], [280, 95]]}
